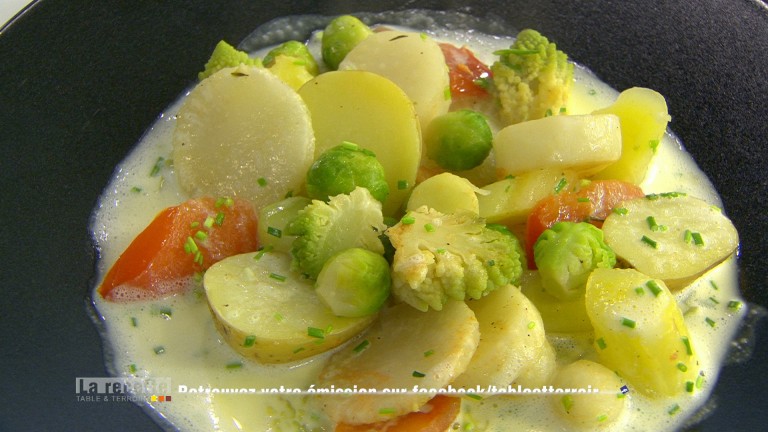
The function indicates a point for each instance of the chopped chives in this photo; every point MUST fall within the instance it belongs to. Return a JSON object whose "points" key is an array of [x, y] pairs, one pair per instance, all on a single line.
{"points": [[277, 277], [361, 346], [654, 144], [234, 365], [316, 332], [447, 93], [626, 322], [407, 220], [689, 385], [563, 110], [714, 285], [654, 287], [262, 251], [402, 184], [531, 325], [710, 321], [674, 409], [548, 113], [687, 343], [417, 374], [428, 227], [279, 317], [649, 241], [157, 167], [601, 343], [560, 185], [567, 402], [734, 305], [700, 381], [428, 353], [159, 349], [275, 232], [714, 300], [194, 224], [201, 235], [219, 219], [224, 201], [132, 368], [621, 210], [136, 189], [440, 250], [298, 350], [134, 322], [491, 263], [348, 145], [386, 411], [639, 290], [165, 312], [198, 258], [262, 181], [190, 246], [602, 418], [653, 225], [693, 237], [209, 221], [474, 396], [682, 367], [621, 395], [583, 199], [249, 341]]}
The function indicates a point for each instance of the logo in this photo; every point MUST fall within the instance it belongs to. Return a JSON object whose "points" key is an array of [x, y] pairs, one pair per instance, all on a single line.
{"points": [[123, 389]]}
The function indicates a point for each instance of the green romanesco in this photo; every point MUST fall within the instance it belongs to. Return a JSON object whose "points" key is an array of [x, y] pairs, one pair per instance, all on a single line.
{"points": [[224, 56], [324, 229], [532, 78], [450, 256]]}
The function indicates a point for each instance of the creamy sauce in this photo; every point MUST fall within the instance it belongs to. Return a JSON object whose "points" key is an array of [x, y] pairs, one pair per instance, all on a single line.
{"points": [[175, 337]]}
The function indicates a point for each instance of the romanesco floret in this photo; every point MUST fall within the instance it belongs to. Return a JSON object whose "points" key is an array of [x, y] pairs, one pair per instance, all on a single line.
{"points": [[533, 79], [450, 256], [324, 229], [224, 56]]}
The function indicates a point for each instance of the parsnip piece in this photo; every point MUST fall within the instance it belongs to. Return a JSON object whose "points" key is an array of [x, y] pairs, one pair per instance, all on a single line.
{"points": [[510, 200], [588, 410], [403, 349], [640, 332], [446, 193], [673, 237], [584, 143], [413, 61], [559, 316], [372, 112], [243, 132], [511, 340], [267, 313]]}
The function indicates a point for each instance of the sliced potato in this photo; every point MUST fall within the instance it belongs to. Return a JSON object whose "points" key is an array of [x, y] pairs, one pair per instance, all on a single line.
{"points": [[640, 332], [411, 60], [673, 237], [509, 201], [585, 144], [446, 193], [590, 410], [559, 316], [511, 340], [372, 112], [405, 348], [267, 313], [243, 132]]}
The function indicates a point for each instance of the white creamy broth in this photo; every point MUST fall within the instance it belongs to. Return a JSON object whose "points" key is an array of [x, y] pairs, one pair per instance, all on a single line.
{"points": [[175, 337]]}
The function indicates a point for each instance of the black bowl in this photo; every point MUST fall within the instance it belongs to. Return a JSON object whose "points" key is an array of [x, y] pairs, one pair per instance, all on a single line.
{"points": [[80, 81]]}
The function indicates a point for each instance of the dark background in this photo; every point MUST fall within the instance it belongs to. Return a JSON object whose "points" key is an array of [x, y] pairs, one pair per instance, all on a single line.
{"points": [[80, 81]]}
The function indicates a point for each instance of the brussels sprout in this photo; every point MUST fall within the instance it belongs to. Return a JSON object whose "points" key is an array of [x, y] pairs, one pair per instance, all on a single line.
{"points": [[294, 49], [354, 282], [340, 169], [340, 36], [566, 254], [459, 140]]}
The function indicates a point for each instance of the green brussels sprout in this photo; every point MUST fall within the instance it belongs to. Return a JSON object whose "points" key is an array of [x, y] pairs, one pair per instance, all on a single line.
{"points": [[294, 49], [459, 140], [354, 282], [340, 169], [566, 254], [341, 35], [273, 219]]}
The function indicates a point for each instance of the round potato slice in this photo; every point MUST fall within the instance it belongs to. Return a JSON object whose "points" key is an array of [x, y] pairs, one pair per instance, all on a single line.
{"points": [[374, 113], [670, 236], [404, 350], [411, 60], [243, 132], [582, 143], [446, 193], [267, 313]]}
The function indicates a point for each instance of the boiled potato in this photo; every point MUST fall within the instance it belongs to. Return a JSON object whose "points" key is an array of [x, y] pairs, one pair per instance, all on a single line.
{"points": [[559, 316], [589, 410], [267, 313], [403, 349], [673, 237], [511, 340], [372, 112], [446, 193], [640, 332], [413, 61], [243, 132], [510, 200], [585, 144], [643, 116]]}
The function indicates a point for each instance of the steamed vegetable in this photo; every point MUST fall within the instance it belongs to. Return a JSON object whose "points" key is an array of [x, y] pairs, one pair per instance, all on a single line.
{"points": [[566, 253], [439, 257], [324, 229], [446, 193], [585, 144], [248, 115], [671, 236], [643, 116], [340, 36], [458, 140], [179, 242], [266, 312], [341, 169], [372, 112], [640, 332], [291, 62], [533, 79], [355, 282], [273, 219], [433, 348], [468, 76], [225, 55], [589, 410]]}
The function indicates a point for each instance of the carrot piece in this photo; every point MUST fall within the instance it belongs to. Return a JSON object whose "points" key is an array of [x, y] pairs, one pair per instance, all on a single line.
{"points": [[592, 203], [436, 416], [180, 241], [465, 71]]}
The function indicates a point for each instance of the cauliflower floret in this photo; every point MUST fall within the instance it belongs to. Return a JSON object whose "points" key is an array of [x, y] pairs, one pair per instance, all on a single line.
{"points": [[533, 79], [450, 256]]}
